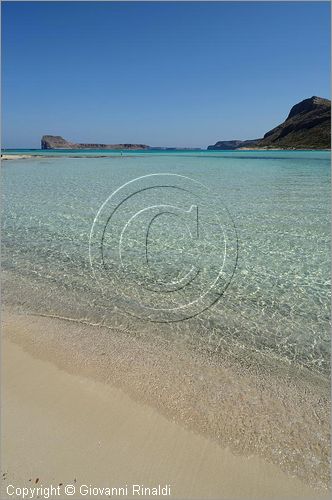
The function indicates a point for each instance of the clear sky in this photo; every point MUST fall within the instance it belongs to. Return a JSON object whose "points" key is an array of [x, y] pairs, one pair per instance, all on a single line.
{"points": [[163, 74]]}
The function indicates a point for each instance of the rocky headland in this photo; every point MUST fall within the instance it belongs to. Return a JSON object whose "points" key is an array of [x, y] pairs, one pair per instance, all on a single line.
{"points": [[307, 126]]}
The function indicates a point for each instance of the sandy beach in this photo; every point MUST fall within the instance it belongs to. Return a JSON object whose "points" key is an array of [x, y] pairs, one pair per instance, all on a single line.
{"points": [[41, 156], [64, 427], [16, 157]]}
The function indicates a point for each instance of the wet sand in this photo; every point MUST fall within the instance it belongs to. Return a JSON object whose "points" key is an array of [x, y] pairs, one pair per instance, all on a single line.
{"points": [[63, 427]]}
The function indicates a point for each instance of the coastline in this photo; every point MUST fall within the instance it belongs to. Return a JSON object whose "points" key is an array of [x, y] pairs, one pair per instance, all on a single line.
{"points": [[69, 154], [50, 383]]}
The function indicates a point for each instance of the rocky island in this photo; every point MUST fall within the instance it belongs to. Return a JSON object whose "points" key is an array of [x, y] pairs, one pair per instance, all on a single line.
{"points": [[58, 142], [308, 126]]}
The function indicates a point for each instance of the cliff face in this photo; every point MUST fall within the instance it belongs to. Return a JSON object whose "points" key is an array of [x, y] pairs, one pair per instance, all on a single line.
{"points": [[55, 142], [308, 126], [58, 142]]}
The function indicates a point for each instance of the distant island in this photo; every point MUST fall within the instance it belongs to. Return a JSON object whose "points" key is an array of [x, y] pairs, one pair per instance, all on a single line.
{"points": [[308, 126], [58, 142]]}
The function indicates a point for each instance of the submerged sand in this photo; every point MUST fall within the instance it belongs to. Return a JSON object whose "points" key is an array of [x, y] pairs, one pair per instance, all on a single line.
{"points": [[123, 414]]}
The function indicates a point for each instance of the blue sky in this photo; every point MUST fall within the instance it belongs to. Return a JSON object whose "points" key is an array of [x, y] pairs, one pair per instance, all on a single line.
{"points": [[163, 74]]}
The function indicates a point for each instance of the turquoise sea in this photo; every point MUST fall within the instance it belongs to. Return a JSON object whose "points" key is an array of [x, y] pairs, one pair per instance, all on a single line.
{"points": [[277, 300], [199, 282]]}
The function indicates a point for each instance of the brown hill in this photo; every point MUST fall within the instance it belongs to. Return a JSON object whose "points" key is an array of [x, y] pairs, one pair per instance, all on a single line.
{"points": [[308, 126]]}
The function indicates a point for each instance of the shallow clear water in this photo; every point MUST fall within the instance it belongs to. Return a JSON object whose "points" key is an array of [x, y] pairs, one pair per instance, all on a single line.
{"points": [[274, 288]]}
